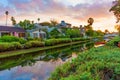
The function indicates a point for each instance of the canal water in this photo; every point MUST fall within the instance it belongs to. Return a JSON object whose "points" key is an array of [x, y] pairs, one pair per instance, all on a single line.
{"points": [[38, 66]]}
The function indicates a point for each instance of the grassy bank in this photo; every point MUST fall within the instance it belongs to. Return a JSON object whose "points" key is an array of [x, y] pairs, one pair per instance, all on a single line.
{"points": [[25, 51], [101, 63]]}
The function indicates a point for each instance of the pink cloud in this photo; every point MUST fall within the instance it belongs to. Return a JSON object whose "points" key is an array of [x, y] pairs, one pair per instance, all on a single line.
{"points": [[47, 9]]}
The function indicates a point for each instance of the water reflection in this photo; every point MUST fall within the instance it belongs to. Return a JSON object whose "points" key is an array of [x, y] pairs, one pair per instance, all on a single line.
{"points": [[38, 66]]}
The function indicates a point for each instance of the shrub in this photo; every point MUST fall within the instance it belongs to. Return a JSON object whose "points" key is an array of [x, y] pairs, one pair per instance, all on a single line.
{"points": [[12, 39], [22, 40], [113, 41], [10, 46], [51, 42], [31, 44], [94, 64], [79, 39], [27, 45], [30, 39], [16, 45]]}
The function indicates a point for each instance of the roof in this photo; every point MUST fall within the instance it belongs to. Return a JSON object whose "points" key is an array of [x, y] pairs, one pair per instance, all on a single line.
{"points": [[11, 29]]}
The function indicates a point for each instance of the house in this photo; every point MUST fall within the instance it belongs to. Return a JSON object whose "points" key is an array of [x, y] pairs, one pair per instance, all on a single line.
{"points": [[12, 30], [63, 24], [38, 32], [82, 30], [109, 36]]}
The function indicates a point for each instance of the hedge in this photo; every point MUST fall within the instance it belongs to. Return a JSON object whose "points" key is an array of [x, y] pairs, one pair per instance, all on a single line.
{"points": [[10, 46], [31, 44], [51, 42], [12, 39]]}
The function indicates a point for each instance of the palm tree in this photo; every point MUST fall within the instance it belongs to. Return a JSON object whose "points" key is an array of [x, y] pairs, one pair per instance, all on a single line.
{"points": [[90, 21], [13, 20], [53, 22], [6, 12], [38, 20]]}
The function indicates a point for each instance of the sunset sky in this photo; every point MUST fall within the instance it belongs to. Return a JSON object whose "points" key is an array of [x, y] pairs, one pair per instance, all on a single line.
{"points": [[75, 12]]}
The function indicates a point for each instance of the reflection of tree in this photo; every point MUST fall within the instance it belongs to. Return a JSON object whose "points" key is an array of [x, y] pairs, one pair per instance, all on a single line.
{"points": [[62, 53], [23, 60]]}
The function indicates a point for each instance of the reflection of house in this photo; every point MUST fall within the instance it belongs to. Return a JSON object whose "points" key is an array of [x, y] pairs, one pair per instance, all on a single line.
{"points": [[13, 31], [63, 24]]}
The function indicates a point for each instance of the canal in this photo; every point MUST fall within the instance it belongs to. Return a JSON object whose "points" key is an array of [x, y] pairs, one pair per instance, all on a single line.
{"points": [[38, 66]]}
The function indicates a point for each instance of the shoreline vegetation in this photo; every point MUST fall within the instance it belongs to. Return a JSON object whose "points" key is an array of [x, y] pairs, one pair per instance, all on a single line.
{"points": [[101, 63], [37, 49]]}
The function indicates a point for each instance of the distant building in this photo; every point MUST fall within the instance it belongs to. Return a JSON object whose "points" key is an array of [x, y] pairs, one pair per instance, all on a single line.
{"points": [[109, 36], [12, 30], [63, 24], [82, 30]]}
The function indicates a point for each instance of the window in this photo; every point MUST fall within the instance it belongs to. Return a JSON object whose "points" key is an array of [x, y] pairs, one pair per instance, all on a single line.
{"points": [[35, 35], [21, 34]]}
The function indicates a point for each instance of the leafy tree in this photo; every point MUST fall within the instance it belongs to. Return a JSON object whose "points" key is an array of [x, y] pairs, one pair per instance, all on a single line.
{"points": [[13, 20], [99, 33], [90, 33], [106, 31], [118, 28], [116, 9], [88, 27], [55, 33], [73, 33], [26, 24]]}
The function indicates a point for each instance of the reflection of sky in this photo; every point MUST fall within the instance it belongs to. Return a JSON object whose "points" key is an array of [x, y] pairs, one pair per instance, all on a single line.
{"points": [[39, 71]]}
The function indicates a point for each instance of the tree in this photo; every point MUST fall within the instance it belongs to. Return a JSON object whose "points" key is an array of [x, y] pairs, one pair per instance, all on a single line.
{"points": [[116, 9], [106, 31], [73, 33], [89, 26], [55, 33], [13, 20], [89, 30], [118, 28], [26, 24], [38, 20], [90, 21], [6, 12], [53, 22]]}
